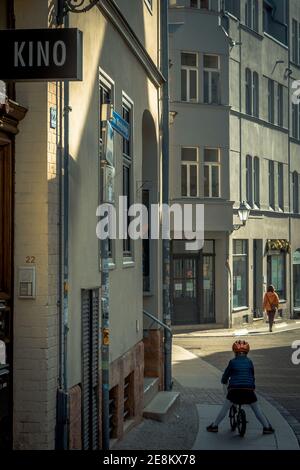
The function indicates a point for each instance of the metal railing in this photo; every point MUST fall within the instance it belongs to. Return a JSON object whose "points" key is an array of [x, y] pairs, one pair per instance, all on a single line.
{"points": [[168, 383]]}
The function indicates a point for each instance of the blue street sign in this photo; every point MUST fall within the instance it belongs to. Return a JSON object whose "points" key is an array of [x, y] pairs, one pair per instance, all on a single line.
{"points": [[121, 126]]}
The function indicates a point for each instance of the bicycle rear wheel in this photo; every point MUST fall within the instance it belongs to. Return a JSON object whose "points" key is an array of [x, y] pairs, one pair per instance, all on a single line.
{"points": [[241, 422]]}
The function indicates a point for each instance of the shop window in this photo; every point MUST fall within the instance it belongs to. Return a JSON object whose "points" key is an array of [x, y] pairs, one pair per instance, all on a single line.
{"points": [[240, 273], [296, 279], [277, 273]]}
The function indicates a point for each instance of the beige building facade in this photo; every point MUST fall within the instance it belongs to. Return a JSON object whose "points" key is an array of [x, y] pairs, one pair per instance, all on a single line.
{"points": [[53, 347], [235, 138]]}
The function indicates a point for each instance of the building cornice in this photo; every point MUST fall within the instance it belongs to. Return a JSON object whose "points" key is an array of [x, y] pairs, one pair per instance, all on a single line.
{"points": [[260, 121], [111, 11], [11, 113]]}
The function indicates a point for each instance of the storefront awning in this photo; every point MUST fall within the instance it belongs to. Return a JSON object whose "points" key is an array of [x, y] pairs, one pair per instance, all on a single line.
{"points": [[283, 246]]}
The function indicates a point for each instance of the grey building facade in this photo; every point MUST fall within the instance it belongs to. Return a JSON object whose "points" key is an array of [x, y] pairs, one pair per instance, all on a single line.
{"points": [[235, 137]]}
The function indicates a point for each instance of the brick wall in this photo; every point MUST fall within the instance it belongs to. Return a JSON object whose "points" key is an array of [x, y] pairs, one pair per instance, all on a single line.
{"points": [[35, 321]]}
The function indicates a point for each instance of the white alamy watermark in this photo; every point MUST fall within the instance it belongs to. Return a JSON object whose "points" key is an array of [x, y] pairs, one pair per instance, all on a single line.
{"points": [[296, 92], [296, 353], [159, 221]]}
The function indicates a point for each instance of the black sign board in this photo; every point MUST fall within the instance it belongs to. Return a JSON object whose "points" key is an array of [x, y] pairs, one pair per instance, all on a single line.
{"points": [[41, 54]]}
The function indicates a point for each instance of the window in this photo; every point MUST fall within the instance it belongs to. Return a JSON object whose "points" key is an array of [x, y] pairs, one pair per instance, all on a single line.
{"points": [[212, 172], [256, 178], [296, 121], [240, 273], [252, 181], [271, 185], [295, 192], [252, 14], [233, 7], [280, 187], [295, 42], [248, 91], [189, 77], [189, 172], [146, 244], [252, 93], [106, 97], [280, 105], [127, 174], [277, 273], [249, 181], [271, 101], [211, 79], [296, 279], [203, 4], [275, 19], [255, 94]]}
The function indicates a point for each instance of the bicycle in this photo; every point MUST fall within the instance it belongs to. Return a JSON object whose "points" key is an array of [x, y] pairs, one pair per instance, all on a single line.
{"points": [[238, 419]]}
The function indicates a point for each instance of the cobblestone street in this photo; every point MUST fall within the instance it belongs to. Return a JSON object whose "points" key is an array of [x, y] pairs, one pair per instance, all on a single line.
{"points": [[277, 379]]}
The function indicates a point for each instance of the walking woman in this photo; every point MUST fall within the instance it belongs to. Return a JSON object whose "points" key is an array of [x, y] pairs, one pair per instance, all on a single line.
{"points": [[271, 304]]}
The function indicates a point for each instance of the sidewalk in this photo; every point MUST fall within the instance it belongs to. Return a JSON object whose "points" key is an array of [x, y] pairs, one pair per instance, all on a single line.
{"points": [[262, 329], [193, 373], [201, 396]]}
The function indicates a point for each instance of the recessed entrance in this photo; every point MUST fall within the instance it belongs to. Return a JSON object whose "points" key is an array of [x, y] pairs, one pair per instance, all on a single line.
{"points": [[193, 284]]}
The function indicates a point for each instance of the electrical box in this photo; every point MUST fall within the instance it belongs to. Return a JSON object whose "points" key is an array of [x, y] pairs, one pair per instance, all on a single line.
{"points": [[27, 286]]}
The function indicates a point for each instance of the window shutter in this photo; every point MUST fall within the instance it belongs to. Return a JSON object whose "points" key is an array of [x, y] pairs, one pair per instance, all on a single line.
{"points": [[90, 369]]}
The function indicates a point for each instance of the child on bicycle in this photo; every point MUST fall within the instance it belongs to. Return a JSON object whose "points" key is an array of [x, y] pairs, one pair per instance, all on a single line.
{"points": [[239, 375]]}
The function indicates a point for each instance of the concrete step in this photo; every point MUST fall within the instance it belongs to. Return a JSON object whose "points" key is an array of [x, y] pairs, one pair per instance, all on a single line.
{"points": [[161, 406], [151, 385]]}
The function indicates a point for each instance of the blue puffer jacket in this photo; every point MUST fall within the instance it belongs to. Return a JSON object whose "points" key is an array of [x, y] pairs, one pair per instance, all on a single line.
{"points": [[239, 373]]}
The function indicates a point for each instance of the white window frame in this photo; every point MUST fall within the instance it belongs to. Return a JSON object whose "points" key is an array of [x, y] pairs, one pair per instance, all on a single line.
{"points": [[107, 82], [256, 182], [188, 165], [210, 165], [280, 180], [127, 102], [210, 71], [188, 69], [253, 14], [255, 94], [271, 177]]}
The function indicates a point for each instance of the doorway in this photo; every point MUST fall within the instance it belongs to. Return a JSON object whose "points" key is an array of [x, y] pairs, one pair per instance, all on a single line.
{"points": [[257, 278], [6, 294], [193, 285]]}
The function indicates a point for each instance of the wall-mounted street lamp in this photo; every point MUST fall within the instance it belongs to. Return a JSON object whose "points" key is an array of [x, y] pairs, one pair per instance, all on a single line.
{"points": [[73, 6], [172, 115], [243, 212]]}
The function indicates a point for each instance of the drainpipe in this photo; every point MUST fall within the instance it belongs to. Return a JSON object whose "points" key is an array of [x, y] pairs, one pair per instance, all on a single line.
{"points": [[165, 192], [62, 429], [67, 109]]}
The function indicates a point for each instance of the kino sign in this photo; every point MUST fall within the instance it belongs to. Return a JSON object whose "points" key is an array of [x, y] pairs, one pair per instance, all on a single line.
{"points": [[41, 54]]}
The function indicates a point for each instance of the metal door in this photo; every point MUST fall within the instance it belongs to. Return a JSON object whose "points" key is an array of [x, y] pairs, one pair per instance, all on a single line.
{"points": [[90, 369], [185, 290]]}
